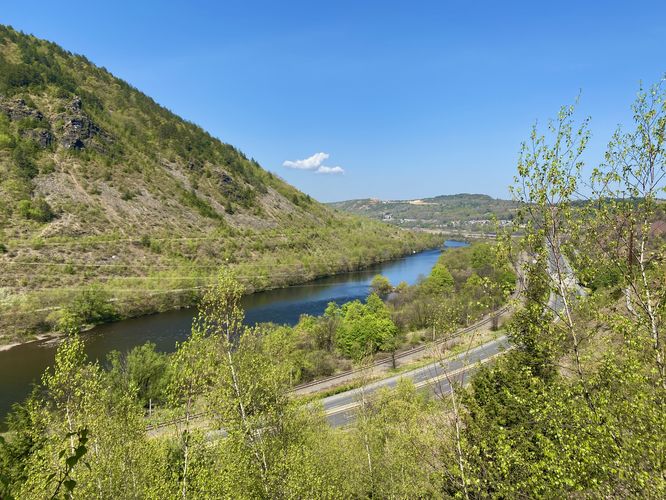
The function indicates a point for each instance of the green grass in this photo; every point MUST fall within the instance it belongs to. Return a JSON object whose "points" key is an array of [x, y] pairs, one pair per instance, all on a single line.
{"points": [[148, 207]]}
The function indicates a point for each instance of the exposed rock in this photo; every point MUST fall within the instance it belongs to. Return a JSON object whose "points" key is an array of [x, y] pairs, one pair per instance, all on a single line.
{"points": [[225, 178], [17, 109], [194, 164], [42, 137], [78, 130], [76, 105]]}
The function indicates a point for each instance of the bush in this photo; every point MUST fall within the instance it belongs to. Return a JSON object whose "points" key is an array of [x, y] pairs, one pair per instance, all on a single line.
{"points": [[191, 199], [92, 306], [381, 285], [38, 210], [6, 141]]}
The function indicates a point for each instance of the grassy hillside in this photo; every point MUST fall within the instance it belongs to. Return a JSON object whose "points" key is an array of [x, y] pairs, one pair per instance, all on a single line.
{"points": [[457, 212], [110, 205]]}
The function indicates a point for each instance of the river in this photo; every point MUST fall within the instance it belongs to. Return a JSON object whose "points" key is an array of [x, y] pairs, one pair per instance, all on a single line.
{"points": [[22, 366]]}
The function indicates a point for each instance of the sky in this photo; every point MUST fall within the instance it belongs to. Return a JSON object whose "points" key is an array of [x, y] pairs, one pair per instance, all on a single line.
{"points": [[355, 99]]}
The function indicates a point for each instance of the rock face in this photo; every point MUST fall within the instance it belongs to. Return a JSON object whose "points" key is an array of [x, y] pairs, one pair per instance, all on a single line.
{"points": [[42, 137], [225, 178], [17, 109], [77, 129], [76, 132]]}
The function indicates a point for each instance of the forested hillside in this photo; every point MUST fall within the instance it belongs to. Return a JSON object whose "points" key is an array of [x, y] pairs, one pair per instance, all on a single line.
{"points": [[457, 212], [112, 205]]}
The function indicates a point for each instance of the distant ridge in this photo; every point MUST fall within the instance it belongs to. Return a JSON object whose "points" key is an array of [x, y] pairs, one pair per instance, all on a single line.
{"points": [[460, 212]]}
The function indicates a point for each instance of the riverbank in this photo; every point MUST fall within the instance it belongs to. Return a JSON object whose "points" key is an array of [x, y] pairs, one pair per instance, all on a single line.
{"points": [[118, 287], [23, 365]]}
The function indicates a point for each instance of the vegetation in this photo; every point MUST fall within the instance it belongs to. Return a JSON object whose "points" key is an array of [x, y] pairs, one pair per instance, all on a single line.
{"points": [[576, 409], [104, 191], [239, 375], [353, 332], [381, 285], [469, 213]]}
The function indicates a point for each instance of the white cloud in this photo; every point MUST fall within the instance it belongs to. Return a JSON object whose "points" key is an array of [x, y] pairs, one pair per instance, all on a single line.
{"points": [[311, 163], [314, 164], [330, 170]]}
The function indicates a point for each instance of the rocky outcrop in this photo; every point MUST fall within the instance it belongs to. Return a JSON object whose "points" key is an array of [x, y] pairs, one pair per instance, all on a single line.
{"points": [[225, 179], [74, 129], [78, 130], [42, 137], [17, 109]]}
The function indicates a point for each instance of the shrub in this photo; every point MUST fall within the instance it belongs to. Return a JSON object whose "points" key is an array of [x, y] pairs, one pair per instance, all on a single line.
{"points": [[38, 210], [381, 285], [92, 306]]}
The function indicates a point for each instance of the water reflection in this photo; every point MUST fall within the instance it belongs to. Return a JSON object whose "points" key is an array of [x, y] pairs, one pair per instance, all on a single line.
{"points": [[23, 365]]}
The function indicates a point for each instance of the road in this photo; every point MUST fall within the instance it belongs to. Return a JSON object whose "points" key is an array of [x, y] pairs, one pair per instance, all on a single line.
{"points": [[340, 408], [435, 377]]}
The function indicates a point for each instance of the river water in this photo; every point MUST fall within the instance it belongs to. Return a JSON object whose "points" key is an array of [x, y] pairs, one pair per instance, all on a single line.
{"points": [[22, 366]]}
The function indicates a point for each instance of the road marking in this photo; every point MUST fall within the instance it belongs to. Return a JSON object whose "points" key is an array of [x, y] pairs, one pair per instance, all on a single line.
{"points": [[350, 406]]}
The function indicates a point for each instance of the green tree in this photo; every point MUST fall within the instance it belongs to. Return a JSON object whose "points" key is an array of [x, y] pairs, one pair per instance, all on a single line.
{"points": [[381, 285], [440, 280], [366, 328], [577, 408], [142, 369]]}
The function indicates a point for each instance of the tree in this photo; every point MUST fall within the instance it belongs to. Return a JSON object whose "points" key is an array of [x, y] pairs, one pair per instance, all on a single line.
{"points": [[142, 369], [91, 306], [440, 280], [381, 285], [191, 372], [627, 191], [75, 433], [577, 408], [482, 259], [366, 328]]}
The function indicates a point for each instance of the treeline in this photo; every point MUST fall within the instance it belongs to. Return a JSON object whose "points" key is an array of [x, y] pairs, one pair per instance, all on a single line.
{"points": [[123, 285]]}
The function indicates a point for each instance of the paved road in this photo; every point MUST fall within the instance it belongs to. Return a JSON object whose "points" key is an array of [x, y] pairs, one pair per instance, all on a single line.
{"points": [[435, 377], [340, 408]]}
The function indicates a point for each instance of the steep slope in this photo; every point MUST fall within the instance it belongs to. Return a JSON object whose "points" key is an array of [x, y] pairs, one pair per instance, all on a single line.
{"points": [[468, 212], [99, 185]]}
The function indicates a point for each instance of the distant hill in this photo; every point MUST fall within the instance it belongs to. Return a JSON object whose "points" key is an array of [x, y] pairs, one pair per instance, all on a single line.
{"points": [[108, 197], [457, 212]]}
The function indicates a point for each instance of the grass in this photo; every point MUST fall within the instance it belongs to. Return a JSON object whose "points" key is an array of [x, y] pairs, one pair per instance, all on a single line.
{"points": [[404, 368], [149, 207]]}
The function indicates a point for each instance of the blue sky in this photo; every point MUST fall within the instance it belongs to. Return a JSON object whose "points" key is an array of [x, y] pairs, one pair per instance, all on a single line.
{"points": [[410, 99]]}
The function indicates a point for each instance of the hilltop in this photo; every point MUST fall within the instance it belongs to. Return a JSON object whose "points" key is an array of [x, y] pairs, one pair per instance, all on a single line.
{"points": [[457, 212], [112, 206]]}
